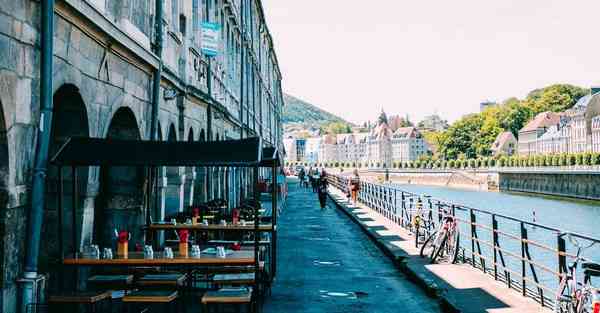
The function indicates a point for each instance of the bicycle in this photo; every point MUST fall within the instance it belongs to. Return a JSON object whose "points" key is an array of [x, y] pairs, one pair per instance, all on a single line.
{"points": [[444, 242], [573, 296], [420, 225]]}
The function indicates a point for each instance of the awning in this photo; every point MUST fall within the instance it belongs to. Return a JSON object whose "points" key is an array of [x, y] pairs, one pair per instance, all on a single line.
{"points": [[97, 152], [270, 157]]}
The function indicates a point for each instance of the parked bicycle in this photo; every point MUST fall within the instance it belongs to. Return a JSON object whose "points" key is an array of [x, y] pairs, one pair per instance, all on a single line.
{"points": [[574, 296], [421, 222], [443, 244]]}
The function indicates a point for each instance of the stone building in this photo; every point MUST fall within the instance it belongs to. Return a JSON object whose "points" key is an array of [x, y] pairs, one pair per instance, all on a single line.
{"points": [[408, 145], [106, 55], [505, 144], [380, 146], [529, 134]]}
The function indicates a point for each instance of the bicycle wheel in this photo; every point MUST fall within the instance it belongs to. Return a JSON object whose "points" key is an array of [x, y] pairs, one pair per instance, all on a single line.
{"points": [[427, 245], [437, 251], [454, 245]]}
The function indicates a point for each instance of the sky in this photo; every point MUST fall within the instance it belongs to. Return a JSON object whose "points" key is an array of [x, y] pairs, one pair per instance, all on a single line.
{"points": [[418, 57]]}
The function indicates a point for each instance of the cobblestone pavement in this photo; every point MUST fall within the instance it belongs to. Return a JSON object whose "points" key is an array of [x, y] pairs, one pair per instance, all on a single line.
{"points": [[327, 264]]}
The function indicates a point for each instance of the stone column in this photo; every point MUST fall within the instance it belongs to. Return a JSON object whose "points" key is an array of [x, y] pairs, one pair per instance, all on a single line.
{"points": [[192, 183], [182, 178]]}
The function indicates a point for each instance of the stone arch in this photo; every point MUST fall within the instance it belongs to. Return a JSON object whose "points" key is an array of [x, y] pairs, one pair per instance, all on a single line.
{"points": [[127, 103], [69, 119], [121, 192]]}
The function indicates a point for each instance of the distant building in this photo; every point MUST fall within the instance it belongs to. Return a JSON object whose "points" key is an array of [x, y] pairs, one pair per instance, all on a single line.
{"points": [[595, 133], [302, 150], [379, 146], [433, 123], [555, 140], [505, 144], [529, 135], [289, 144], [408, 145], [579, 139], [486, 104], [311, 153]]}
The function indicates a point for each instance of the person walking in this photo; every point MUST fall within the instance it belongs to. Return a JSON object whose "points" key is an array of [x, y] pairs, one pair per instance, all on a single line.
{"points": [[355, 186], [322, 189], [301, 177]]}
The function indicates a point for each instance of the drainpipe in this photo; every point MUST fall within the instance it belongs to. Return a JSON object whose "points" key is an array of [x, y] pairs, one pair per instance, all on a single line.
{"points": [[209, 136], [158, 47], [242, 50], [153, 172], [29, 286]]}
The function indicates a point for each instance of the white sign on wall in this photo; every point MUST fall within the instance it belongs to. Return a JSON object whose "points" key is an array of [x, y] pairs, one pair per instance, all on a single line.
{"points": [[209, 43]]}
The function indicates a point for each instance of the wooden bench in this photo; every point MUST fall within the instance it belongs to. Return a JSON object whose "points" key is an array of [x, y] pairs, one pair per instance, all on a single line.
{"points": [[114, 282], [173, 280], [227, 296], [234, 279], [152, 297], [90, 298]]}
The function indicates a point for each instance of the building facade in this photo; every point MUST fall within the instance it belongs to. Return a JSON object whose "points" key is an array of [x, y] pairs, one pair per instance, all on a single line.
{"points": [[408, 145], [505, 144], [379, 147], [573, 131], [532, 131], [106, 56]]}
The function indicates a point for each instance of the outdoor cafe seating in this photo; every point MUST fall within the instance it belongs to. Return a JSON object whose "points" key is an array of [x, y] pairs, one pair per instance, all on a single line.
{"points": [[211, 254]]}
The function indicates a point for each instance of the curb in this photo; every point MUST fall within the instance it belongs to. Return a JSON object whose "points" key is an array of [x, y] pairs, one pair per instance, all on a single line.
{"points": [[433, 286]]}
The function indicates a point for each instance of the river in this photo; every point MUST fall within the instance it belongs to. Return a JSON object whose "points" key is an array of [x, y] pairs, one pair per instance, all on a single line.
{"points": [[568, 215]]}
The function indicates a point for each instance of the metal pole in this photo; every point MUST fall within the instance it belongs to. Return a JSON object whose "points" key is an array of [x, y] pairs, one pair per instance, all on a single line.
{"points": [[274, 213], [523, 270], [158, 47], [59, 208], [256, 227], [74, 220], [243, 41], [36, 212]]}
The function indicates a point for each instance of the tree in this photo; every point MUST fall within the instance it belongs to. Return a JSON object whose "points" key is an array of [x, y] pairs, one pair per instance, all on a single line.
{"points": [[555, 98], [336, 128]]}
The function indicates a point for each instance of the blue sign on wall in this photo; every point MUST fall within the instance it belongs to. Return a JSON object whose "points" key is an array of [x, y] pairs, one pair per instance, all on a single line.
{"points": [[209, 43]]}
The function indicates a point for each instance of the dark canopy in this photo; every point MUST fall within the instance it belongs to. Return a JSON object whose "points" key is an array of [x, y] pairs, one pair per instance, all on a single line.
{"points": [[270, 157], [96, 152]]}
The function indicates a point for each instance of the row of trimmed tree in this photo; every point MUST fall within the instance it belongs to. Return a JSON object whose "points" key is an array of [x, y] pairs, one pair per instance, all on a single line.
{"points": [[562, 159]]}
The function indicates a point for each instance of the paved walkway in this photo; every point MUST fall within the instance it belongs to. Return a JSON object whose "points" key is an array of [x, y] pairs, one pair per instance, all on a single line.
{"points": [[327, 264], [465, 288]]}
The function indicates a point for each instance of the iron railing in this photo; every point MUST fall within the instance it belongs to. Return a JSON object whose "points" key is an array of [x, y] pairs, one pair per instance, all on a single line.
{"points": [[526, 256]]}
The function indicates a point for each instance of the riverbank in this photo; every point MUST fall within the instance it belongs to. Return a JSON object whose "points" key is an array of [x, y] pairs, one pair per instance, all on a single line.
{"points": [[452, 179]]}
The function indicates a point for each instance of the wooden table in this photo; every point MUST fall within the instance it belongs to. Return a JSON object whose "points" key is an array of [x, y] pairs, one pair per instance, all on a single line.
{"points": [[137, 259]]}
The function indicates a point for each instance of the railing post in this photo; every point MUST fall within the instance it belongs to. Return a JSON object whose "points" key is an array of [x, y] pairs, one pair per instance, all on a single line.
{"points": [[472, 222], [495, 241], [562, 257], [403, 204], [523, 265], [396, 206]]}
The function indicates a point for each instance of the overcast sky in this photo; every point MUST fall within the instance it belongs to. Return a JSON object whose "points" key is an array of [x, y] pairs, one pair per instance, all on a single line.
{"points": [[355, 57]]}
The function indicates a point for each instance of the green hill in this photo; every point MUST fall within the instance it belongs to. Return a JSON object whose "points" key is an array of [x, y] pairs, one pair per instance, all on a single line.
{"points": [[298, 113]]}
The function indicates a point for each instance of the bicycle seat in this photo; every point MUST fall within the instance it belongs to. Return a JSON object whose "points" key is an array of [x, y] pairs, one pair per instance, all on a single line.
{"points": [[591, 266], [591, 273]]}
